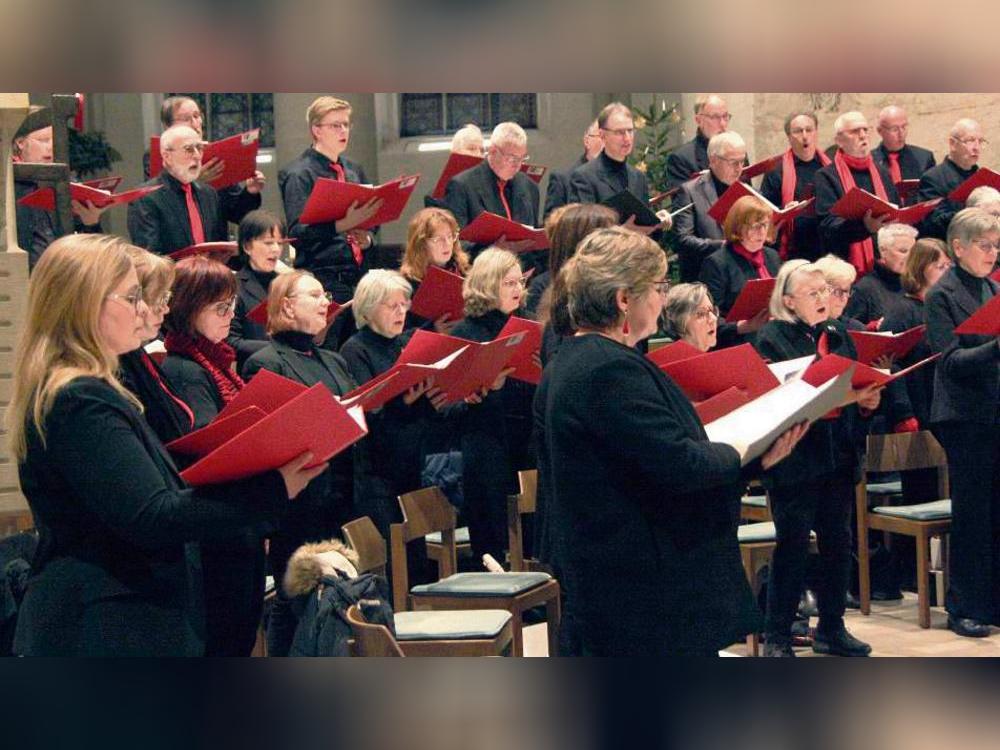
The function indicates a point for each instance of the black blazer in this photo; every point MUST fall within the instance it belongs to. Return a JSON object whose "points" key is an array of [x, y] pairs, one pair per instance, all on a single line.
{"points": [[967, 379], [159, 222], [937, 182], [111, 575], [594, 182], [697, 234], [913, 160], [875, 295], [641, 507], [725, 274], [805, 228], [475, 190], [195, 386], [918, 392], [686, 160], [246, 336], [837, 234], [558, 191]]}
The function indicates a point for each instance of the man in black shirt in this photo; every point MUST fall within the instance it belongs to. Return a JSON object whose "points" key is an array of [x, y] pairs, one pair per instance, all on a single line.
{"points": [[558, 192], [697, 234], [901, 160], [711, 114], [965, 143]]}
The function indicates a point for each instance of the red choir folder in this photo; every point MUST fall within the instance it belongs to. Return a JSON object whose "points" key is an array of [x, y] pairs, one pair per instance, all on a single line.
{"points": [[487, 228], [239, 152], [395, 381], [855, 203], [216, 432], [720, 209], [761, 167], [980, 177], [426, 347], [440, 293], [907, 189], [312, 421], [45, 198], [523, 363], [753, 297], [220, 251], [985, 321], [266, 390], [871, 345], [995, 275], [458, 163], [104, 183], [833, 365], [330, 199], [709, 375], [674, 352], [721, 404], [258, 314]]}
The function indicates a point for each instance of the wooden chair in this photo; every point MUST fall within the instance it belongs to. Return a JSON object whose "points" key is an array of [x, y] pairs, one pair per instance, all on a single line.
{"points": [[371, 639], [432, 633], [428, 510], [15, 521], [523, 503], [904, 452], [754, 507]]}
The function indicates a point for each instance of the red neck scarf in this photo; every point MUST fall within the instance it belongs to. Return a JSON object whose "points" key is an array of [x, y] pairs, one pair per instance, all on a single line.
{"points": [[756, 259], [338, 170], [216, 359], [861, 255], [789, 181]]}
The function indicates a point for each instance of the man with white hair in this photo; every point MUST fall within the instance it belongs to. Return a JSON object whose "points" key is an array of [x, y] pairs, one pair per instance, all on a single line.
{"points": [[698, 234], [965, 145], [711, 115], [986, 198], [558, 192], [468, 140], [853, 166], [183, 211], [881, 291], [900, 159], [497, 185]]}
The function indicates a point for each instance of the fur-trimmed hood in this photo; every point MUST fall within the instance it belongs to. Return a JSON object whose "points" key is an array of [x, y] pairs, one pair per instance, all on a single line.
{"points": [[311, 562]]}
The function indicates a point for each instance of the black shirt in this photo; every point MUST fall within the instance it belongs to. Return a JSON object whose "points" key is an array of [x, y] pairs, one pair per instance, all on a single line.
{"points": [[835, 233], [937, 183], [875, 294], [805, 228]]}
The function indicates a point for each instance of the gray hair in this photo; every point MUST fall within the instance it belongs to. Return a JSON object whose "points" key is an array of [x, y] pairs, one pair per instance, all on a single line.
{"points": [[962, 126], [681, 302], [373, 289], [982, 195], [890, 234], [508, 132], [724, 140], [970, 224], [467, 136], [789, 276], [837, 269], [175, 133], [842, 120]]}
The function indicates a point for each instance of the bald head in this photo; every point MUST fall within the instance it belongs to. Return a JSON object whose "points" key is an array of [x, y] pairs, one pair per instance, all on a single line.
{"points": [[965, 143], [893, 124]]}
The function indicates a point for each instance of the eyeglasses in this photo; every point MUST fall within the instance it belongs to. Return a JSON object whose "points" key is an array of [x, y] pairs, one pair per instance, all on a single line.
{"points": [[816, 294], [317, 296], [724, 117], [986, 246], [592, 135], [132, 298], [703, 314], [394, 306], [189, 148], [512, 159], [620, 132], [896, 128], [760, 226], [222, 309], [514, 283], [981, 142], [841, 293], [162, 303], [662, 286], [445, 240], [731, 162], [335, 125]]}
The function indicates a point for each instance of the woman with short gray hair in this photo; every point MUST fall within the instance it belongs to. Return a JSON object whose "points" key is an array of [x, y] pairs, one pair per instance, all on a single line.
{"points": [[690, 315]]}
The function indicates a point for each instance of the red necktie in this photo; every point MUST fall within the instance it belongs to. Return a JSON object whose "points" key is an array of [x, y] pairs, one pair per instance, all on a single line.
{"points": [[894, 172], [338, 170], [503, 198], [197, 230]]}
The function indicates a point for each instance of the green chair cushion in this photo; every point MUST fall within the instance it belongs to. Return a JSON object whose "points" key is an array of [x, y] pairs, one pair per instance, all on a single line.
{"points": [[482, 584], [756, 532], [427, 625], [885, 488], [934, 511], [461, 536]]}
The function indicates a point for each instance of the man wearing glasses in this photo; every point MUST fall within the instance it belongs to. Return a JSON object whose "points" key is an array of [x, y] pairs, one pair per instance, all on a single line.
{"points": [[965, 145], [497, 185], [183, 211], [558, 192], [901, 160], [711, 114]]}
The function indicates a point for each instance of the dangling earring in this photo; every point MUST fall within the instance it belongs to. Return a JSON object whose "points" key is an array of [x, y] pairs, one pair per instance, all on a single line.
{"points": [[625, 326]]}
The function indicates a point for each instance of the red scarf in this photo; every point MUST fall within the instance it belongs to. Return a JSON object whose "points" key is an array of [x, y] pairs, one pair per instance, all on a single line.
{"points": [[861, 254], [356, 253], [789, 181], [756, 260], [216, 359]]}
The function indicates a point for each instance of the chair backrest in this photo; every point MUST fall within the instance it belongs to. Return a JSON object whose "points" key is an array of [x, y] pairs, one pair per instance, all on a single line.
{"points": [[905, 451], [364, 538], [424, 511], [370, 639], [526, 501]]}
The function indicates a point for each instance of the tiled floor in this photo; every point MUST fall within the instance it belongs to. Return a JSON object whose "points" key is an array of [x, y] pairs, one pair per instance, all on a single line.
{"points": [[891, 629]]}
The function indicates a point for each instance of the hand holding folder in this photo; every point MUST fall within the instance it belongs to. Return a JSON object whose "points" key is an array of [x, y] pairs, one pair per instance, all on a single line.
{"points": [[440, 293], [872, 346], [855, 203], [45, 198], [487, 228], [238, 152], [754, 297], [523, 361], [331, 199]]}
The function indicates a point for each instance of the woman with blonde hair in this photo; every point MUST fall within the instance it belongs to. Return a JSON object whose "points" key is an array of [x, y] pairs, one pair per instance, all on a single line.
{"points": [[111, 576]]}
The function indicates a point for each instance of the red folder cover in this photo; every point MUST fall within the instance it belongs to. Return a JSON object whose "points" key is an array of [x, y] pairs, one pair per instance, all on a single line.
{"points": [[761, 167], [487, 228], [856, 202], [674, 352], [440, 293], [45, 198], [239, 152], [220, 251], [995, 275], [907, 189], [104, 183], [721, 404], [428, 347], [720, 209], [984, 321], [331, 198], [266, 390], [833, 365], [980, 177], [395, 381], [458, 163], [523, 363], [709, 375], [477, 366], [216, 432], [312, 421], [871, 346], [753, 297], [258, 314]]}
